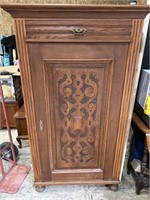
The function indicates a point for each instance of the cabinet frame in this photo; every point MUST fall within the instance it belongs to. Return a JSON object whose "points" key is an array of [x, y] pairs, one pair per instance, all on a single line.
{"points": [[24, 15]]}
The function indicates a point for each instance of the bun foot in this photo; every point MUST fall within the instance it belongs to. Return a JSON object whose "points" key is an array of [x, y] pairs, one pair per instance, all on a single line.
{"points": [[113, 187], [39, 188]]}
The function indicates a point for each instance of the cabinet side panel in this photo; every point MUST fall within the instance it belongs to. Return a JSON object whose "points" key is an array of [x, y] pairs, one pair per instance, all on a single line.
{"points": [[28, 94], [127, 97]]}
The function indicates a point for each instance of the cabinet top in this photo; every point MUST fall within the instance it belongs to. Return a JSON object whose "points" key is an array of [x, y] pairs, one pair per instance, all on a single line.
{"points": [[76, 11]]}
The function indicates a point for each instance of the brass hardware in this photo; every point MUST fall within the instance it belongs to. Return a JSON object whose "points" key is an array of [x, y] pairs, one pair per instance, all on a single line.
{"points": [[41, 125], [78, 31]]}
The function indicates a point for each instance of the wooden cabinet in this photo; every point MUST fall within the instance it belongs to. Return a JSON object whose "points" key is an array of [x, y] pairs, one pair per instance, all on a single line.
{"points": [[12, 105], [11, 108], [21, 125], [79, 69]]}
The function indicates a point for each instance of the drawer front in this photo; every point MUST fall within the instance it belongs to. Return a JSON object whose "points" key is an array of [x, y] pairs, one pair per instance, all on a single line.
{"points": [[78, 30]]}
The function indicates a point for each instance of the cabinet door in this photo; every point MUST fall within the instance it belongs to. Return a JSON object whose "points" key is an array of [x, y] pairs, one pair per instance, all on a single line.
{"points": [[76, 97], [76, 109]]}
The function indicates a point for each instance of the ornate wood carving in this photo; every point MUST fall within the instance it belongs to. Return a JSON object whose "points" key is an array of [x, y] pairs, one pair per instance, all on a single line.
{"points": [[78, 90], [78, 102]]}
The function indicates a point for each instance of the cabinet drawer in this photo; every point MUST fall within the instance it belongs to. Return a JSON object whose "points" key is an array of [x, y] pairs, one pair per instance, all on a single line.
{"points": [[78, 30]]}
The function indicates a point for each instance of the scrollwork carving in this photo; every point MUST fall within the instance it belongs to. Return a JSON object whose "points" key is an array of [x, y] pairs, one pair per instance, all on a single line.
{"points": [[77, 102]]}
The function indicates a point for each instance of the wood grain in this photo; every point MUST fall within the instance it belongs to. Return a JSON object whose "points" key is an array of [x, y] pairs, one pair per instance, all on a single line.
{"points": [[129, 79], [78, 89], [95, 30], [28, 94], [76, 11], [11, 108]]}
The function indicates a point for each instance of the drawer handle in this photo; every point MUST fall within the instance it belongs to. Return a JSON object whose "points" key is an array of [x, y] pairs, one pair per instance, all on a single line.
{"points": [[78, 31]]}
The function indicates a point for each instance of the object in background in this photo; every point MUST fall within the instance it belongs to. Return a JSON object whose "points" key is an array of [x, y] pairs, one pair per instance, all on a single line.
{"points": [[147, 106], [16, 62], [12, 178], [133, 2], [144, 88], [6, 59], [8, 87], [140, 112], [7, 153], [10, 45], [1, 51], [139, 150]]}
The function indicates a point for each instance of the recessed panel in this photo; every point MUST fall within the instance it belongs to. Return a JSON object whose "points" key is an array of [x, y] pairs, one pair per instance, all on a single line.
{"points": [[78, 91]]}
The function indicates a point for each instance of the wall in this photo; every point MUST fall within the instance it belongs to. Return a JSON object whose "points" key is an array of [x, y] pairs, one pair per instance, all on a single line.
{"points": [[6, 22]]}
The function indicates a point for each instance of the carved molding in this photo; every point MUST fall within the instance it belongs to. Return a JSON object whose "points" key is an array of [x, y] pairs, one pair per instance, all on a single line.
{"points": [[28, 94], [125, 111], [76, 11]]}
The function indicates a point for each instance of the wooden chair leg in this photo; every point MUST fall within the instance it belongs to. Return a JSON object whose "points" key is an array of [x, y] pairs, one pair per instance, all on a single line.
{"points": [[140, 179], [19, 141], [131, 151]]}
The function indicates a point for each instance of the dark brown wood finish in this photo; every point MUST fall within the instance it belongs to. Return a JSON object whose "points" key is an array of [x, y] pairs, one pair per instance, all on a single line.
{"points": [[46, 11], [78, 67], [11, 108], [21, 125]]}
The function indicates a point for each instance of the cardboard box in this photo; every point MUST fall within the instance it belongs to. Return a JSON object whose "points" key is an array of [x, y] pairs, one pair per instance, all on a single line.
{"points": [[136, 164], [8, 87], [144, 88]]}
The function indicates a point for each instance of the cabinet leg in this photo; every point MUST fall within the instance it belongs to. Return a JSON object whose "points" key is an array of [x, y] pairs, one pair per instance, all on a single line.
{"points": [[39, 188], [113, 187], [19, 141]]}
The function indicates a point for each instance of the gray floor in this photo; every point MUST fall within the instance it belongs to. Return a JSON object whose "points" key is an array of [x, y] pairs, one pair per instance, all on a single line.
{"points": [[96, 192]]}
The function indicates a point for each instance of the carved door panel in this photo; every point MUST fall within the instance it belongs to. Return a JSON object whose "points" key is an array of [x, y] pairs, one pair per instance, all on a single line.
{"points": [[76, 109], [78, 106]]}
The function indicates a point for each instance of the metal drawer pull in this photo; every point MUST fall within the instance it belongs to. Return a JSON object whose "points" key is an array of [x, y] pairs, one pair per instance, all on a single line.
{"points": [[78, 31]]}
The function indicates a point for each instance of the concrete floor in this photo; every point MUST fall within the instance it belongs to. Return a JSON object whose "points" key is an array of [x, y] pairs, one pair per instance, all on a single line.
{"points": [[83, 192]]}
